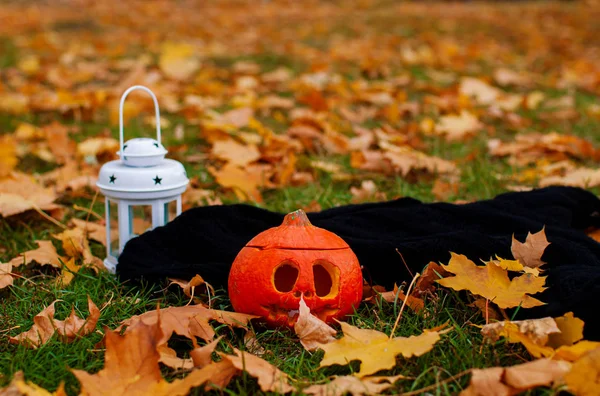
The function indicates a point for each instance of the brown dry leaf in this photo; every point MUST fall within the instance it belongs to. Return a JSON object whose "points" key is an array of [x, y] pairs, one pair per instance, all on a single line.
{"points": [[20, 192], [74, 327], [558, 338], [6, 278], [584, 377], [367, 191], [444, 189], [235, 153], [458, 127], [44, 326], [579, 177], [506, 381], [312, 331], [202, 356], [374, 349], [19, 386], [245, 182], [479, 90], [270, 378], [537, 330], [76, 245], [189, 321], [61, 146], [8, 155], [342, 385], [530, 252], [169, 358], [131, 367], [414, 303], [427, 281], [45, 254], [189, 287], [178, 60], [92, 149], [405, 159], [492, 282], [94, 231]]}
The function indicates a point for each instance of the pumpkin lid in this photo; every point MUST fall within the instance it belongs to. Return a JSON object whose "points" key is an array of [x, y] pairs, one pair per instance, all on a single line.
{"points": [[297, 232]]}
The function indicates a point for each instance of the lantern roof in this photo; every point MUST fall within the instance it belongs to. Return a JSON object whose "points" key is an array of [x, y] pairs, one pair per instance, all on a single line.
{"points": [[142, 152], [119, 180]]}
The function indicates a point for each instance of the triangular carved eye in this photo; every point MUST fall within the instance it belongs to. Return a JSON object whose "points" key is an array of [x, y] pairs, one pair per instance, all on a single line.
{"points": [[326, 277], [285, 277]]}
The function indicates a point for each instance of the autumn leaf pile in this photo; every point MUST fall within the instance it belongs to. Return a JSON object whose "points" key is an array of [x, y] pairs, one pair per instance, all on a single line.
{"points": [[312, 104]]}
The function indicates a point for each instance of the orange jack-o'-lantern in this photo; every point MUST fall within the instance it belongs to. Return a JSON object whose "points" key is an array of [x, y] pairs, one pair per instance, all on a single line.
{"points": [[281, 264]]}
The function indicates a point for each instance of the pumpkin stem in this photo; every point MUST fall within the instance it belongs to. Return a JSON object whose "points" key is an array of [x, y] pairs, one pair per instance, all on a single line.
{"points": [[297, 218]]}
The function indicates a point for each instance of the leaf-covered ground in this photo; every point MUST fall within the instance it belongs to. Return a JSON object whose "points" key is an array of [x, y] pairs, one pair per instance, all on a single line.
{"points": [[284, 105]]}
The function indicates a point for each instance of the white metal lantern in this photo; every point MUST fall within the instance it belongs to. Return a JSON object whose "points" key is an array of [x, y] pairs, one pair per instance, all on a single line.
{"points": [[142, 188]]}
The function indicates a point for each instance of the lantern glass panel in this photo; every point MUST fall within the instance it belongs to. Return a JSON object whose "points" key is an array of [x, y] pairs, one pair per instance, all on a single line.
{"points": [[140, 219], [113, 227], [170, 211]]}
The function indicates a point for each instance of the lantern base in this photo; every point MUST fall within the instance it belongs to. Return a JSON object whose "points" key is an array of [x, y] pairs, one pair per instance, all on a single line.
{"points": [[110, 265]]}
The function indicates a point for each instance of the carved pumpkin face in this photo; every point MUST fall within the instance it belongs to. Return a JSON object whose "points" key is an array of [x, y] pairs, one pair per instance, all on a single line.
{"points": [[281, 264]]}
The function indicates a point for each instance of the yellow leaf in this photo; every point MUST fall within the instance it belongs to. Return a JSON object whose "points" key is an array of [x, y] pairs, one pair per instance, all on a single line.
{"points": [[8, 155], [571, 331], [492, 282], [375, 349], [177, 60], [350, 384], [458, 127], [584, 377], [18, 386]]}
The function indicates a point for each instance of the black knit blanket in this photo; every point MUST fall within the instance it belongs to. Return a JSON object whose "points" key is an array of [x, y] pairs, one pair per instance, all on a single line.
{"points": [[206, 240]]}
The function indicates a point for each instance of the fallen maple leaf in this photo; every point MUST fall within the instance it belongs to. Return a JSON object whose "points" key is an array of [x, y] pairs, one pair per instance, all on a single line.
{"points": [[584, 377], [270, 378], [44, 326], [342, 385], [392, 296], [506, 381], [20, 192], [558, 338], [458, 127], [8, 155], [431, 273], [202, 356], [492, 282], [189, 321], [189, 287], [312, 331], [45, 254], [6, 278], [19, 386], [530, 252], [178, 60], [375, 349], [245, 182], [235, 153], [93, 231], [76, 245], [131, 367], [580, 177]]}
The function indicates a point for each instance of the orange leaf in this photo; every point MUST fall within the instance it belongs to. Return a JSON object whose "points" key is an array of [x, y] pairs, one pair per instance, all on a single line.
{"points": [[45, 254]]}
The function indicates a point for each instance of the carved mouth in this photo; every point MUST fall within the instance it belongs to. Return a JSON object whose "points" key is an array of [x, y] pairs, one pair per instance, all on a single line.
{"points": [[290, 316]]}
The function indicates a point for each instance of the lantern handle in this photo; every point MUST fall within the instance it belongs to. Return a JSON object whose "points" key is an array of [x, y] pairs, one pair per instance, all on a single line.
{"points": [[156, 111]]}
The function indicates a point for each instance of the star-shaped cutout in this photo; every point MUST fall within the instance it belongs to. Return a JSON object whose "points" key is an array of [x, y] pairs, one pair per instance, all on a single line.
{"points": [[157, 180], [156, 144], [112, 179], [124, 147]]}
